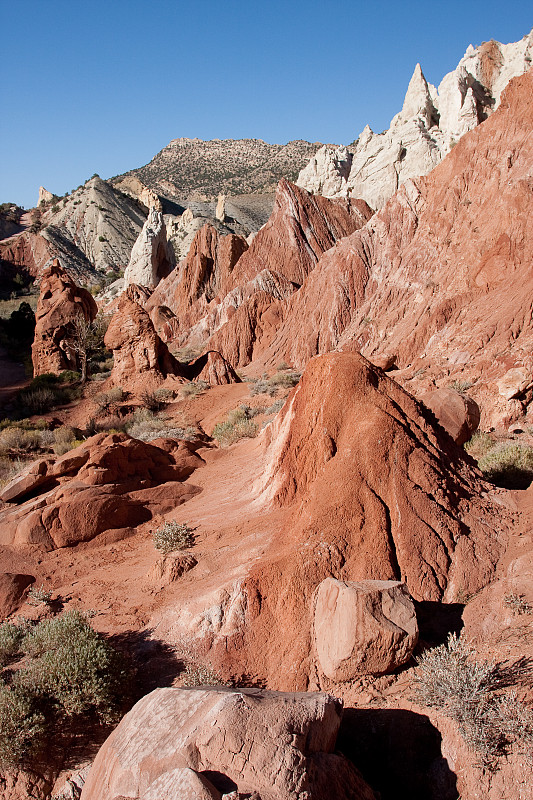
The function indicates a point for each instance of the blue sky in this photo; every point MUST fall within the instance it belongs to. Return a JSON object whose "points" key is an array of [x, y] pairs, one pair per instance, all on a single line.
{"points": [[103, 86]]}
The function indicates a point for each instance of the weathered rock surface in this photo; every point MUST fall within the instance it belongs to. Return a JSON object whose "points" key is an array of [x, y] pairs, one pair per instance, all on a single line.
{"points": [[440, 276], [12, 592], [428, 126], [60, 304], [151, 258], [202, 742], [45, 196], [456, 412], [110, 482], [364, 627], [139, 353]]}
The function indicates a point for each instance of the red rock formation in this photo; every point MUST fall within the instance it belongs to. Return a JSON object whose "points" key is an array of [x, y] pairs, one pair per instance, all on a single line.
{"points": [[139, 353], [110, 482], [12, 590], [442, 272], [204, 742], [60, 304]]}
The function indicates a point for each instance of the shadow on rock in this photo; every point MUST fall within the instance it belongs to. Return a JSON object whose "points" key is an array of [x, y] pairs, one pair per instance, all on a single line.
{"points": [[437, 620], [398, 753], [155, 662]]}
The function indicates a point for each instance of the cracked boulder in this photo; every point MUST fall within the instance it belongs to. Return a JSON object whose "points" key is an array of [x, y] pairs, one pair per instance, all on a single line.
{"points": [[204, 743]]}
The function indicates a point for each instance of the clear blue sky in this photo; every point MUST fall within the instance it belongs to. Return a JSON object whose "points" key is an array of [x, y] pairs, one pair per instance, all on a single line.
{"points": [[103, 86]]}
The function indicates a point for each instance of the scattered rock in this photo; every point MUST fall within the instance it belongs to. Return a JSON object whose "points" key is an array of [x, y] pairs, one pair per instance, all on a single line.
{"points": [[513, 383], [171, 567]]}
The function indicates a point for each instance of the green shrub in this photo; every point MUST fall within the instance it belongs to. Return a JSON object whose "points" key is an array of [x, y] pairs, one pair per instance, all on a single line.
{"points": [[480, 444], [508, 464], [237, 425], [10, 638], [22, 726], [201, 675], [72, 666], [471, 692], [173, 536], [16, 438], [193, 388], [39, 594]]}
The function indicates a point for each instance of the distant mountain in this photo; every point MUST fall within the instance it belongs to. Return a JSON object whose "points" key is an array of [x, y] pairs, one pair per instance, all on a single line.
{"points": [[188, 170]]}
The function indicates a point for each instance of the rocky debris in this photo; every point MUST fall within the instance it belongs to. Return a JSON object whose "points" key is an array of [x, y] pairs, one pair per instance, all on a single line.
{"points": [[363, 627], [211, 367], [171, 567], [385, 361], [45, 196], [204, 742], [151, 258], [70, 788], [110, 482], [61, 303], [440, 276], [232, 167], [12, 592], [138, 351], [455, 411], [428, 126]]}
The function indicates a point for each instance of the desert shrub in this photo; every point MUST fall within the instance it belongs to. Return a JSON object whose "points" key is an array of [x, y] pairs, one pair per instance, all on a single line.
{"points": [[508, 464], [10, 638], [285, 379], [44, 393], [73, 667], [461, 386], [263, 386], [8, 469], [237, 425], [480, 444], [193, 388], [38, 595], [173, 536], [108, 402], [518, 604], [20, 439], [471, 692], [155, 401], [282, 366], [22, 726], [201, 675], [69, 376]]}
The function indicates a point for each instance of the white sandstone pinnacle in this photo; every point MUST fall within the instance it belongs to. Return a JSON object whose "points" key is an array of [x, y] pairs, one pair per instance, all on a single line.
{"points": [[429, 124]]}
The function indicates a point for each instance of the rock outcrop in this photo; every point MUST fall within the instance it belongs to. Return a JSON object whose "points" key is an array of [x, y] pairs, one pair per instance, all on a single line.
{"points": [[428, 126], [440, 276], [61, 303], [109, 483], [361, 628], [151, 258], [12, 592], [203, 743], [45, 196]]}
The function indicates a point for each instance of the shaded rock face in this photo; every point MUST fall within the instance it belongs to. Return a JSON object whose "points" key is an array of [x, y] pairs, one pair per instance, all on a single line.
{"points": [[110, 482], [428, 126], [60, 304], [441, 275], [361, 628], [456, 412], [206, 742], [152, 258]]}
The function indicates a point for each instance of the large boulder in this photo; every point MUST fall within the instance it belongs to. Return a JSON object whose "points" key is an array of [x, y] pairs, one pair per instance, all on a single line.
{"points": [[12, 592], [456, 412], [363, 627], [200, 743], [61, 303]]}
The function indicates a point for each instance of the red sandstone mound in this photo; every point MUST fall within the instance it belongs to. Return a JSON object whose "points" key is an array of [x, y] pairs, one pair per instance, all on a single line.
{"points": [[61, 304], [360, 483], [109, 483], [442, 273]]}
